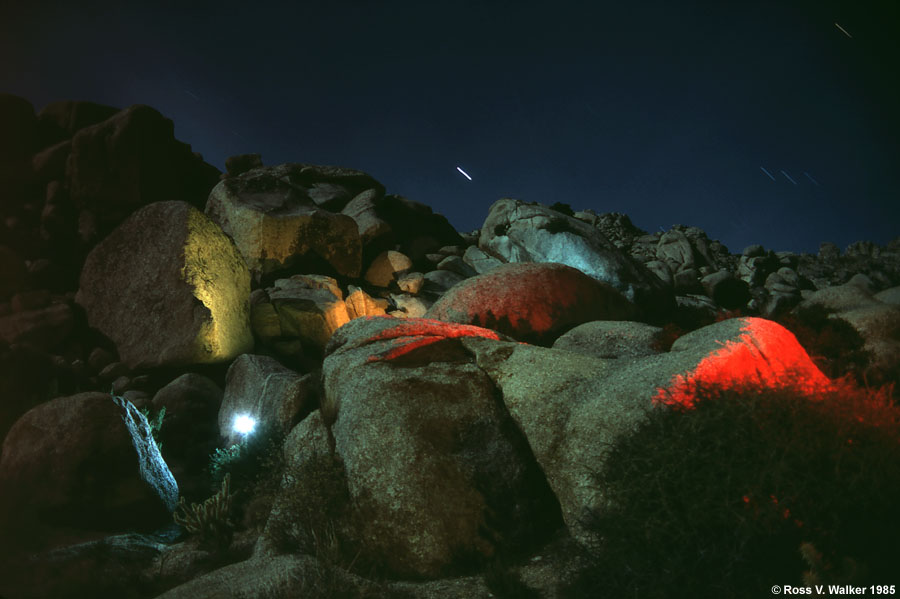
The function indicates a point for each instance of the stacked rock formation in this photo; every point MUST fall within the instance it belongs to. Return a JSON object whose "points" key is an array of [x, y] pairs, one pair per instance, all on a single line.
{"points": [[460, 382]]}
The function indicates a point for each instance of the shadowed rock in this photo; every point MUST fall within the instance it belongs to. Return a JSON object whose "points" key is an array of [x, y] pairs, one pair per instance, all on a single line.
{"points": [[430, 456], [79, 465], [130, 160]]}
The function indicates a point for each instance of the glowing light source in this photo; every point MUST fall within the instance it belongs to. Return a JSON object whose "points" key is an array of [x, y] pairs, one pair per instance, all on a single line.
{"points": [[244, 424]]}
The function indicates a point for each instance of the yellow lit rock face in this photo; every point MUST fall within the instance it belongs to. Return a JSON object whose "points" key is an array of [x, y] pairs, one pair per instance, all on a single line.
{"points": [[169, 288], [221, 281], [275, 227]]}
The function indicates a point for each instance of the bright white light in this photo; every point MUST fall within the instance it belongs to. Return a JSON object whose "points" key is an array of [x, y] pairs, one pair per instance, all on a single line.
{"points": [[465, 174], [244, 424]]}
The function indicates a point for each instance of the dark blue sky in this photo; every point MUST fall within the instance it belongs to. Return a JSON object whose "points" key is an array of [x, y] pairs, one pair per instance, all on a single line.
{"points": [[663, 110]]}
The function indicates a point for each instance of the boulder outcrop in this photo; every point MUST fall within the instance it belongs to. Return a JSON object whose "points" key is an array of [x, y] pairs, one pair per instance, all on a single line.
{"points": [[515, 231]]}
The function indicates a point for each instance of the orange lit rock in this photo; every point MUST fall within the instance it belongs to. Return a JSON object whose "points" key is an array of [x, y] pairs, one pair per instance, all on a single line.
{"points": [[386, 267], [310, 315], [359, 303]]}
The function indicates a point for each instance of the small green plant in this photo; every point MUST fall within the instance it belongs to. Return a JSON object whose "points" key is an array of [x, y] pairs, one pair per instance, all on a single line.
{"points": [[257, 455], [210, 520], [155, 421], [223, 460]]}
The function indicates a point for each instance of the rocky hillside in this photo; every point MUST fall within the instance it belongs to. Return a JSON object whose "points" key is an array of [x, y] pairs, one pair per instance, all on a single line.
{"points": [[431, 407]]}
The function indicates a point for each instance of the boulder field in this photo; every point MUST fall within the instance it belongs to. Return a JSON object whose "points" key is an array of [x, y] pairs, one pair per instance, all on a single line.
{"points": [[433, 401]]}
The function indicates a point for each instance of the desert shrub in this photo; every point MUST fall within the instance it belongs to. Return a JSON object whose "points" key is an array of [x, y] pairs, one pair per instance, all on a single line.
{"points": [[155, 421], [717, 500], [255, 467], [210, 520], [563, 208], [249, 461], [310, 510], [832, 343], [667, 336]]}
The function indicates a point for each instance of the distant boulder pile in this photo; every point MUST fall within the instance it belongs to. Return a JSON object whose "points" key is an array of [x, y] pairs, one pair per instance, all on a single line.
{"points": [[433, 399]]}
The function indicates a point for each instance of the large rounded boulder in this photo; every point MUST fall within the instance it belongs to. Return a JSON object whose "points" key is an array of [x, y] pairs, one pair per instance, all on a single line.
{"points": [[169, 288], [515, 231], [535, 303], [79, 466], [435, 467]]}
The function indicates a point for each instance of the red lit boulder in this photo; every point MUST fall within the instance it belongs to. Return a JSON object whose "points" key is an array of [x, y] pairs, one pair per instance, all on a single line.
{"points": [[535, 303], [572, 407], [78, 466], [431, 458], [169, 288], [516, 231], [280, 218]]}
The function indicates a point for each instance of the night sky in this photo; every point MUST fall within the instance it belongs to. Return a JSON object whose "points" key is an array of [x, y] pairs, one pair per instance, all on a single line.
{"points": [[667, 111]]}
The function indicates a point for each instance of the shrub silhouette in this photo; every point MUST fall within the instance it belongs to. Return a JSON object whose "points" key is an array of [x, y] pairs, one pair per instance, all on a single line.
{"points": [[832, 343], [247, 461], [563, 208], [209, 520], [717, 500], [254, 466]]}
